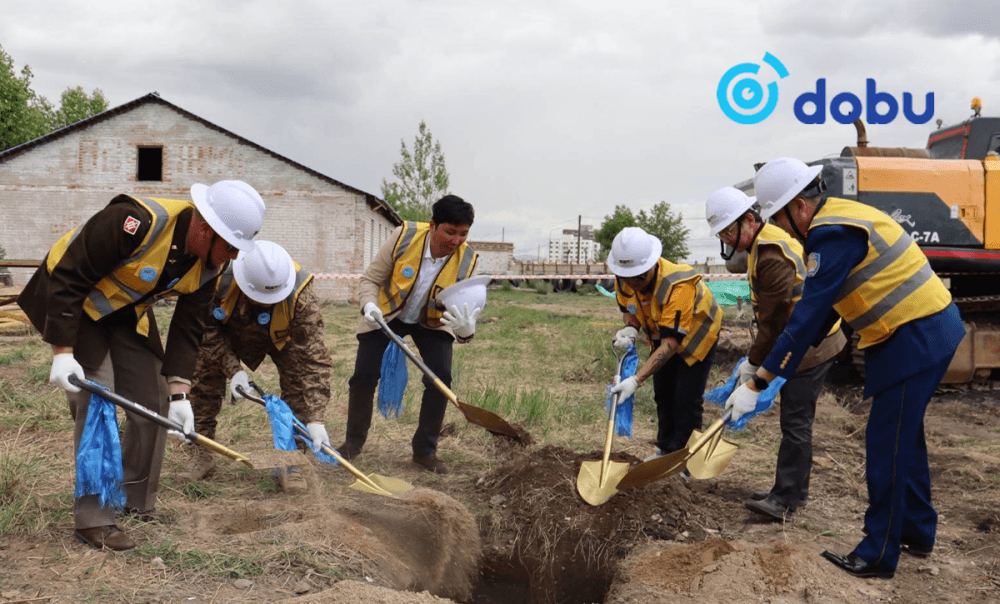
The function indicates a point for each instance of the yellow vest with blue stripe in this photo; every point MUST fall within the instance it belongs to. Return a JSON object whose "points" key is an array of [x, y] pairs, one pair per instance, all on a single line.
{"points": [[407, 257], [707, 316], [281, 314], [137, 275], [893, 284]]}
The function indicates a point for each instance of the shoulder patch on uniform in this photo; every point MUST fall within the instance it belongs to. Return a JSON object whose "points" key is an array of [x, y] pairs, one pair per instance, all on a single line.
{"points": [[131, 225], [812, 264]]}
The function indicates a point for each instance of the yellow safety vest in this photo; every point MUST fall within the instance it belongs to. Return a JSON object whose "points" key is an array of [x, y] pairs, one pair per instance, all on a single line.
{"points": [[407, 257], [893, 284], [281, 314], [137, 275], [707, 315], [790, 248]]}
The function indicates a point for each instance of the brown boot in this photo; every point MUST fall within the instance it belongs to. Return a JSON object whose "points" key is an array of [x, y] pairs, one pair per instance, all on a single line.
{"points": [[110, 537], [293, 482], [199, 463]]}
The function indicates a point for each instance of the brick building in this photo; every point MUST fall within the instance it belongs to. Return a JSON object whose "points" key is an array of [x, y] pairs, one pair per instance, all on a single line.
{"points": [[495, 257], [150, 147]]}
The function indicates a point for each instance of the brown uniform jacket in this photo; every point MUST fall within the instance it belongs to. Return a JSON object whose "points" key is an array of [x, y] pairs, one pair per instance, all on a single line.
{"points": [[775, 279], [54, 303]]}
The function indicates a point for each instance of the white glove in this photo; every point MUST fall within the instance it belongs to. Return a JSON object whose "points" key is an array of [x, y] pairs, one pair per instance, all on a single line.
{"points": [[242, 380], [181, 413], [625, 337], [626, 388], [317, 432], [463, 323], [63, 366], [743, 400], [371, 311], [747, 371]]}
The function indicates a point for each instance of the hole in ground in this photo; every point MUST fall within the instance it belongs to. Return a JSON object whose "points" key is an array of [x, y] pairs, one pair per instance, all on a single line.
{"points": [[509, 580]]}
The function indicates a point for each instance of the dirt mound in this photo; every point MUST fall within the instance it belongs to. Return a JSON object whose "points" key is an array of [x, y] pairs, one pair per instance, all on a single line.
{"points": [[545, 544], [735, 572]]}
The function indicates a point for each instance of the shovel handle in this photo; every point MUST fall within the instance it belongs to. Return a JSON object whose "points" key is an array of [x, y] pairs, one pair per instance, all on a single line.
{"points": [[305, 434], [416, 360], [156, 418]]}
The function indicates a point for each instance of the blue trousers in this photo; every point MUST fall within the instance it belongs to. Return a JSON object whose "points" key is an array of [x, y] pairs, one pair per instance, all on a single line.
{"points": [[899, 482]]}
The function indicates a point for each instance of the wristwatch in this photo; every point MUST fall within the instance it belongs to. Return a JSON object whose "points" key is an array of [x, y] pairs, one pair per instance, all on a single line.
{"points": [[760, 383], [179, 396]]}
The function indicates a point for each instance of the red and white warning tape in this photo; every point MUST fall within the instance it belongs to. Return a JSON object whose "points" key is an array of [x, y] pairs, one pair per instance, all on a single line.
{"points": [[707, 277]]}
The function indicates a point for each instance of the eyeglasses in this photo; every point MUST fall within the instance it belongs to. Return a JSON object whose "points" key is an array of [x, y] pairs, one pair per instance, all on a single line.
{"points": [[230, 249], [729, 232]]}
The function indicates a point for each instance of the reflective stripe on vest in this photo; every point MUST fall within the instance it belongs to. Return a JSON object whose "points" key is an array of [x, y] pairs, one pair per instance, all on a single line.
{"points": [[706, 315], [893, 284], [137, 275], [789, 248], [282, 313], [408, 255]]}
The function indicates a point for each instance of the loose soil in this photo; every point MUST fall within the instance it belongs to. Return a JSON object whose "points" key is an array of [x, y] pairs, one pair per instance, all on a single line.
{"points": [[517, 531]]}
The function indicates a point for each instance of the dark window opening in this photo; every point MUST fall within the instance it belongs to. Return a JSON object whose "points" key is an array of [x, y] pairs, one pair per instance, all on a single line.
{"points": [[994, 145], [150, 163]]}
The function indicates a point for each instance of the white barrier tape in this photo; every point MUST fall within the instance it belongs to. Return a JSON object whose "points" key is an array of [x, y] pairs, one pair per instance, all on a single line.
{"points": [[707, 277]]}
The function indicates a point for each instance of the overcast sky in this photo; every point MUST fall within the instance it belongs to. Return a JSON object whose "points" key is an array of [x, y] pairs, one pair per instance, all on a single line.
{"points": [[546, 111]]}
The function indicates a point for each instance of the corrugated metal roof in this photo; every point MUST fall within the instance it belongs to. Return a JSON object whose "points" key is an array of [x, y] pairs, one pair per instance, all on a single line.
{"points": [[154, 97]]}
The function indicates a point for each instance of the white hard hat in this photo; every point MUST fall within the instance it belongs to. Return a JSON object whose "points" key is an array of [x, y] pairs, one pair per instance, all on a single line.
{"points": [[471, 291], [724, 206], [266, 274], [779, 181], [232, 208], [633, 252]]}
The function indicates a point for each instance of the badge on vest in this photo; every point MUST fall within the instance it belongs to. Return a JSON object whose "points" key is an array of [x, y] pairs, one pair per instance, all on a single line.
{"points": [[131, 225], [219, 313], [407, 271], [812, 264], [631, 308], [264, 318], [148, 274]]}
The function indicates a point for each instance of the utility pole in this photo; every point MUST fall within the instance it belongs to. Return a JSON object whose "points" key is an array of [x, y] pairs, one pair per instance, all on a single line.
{"points": [[579, 228]]}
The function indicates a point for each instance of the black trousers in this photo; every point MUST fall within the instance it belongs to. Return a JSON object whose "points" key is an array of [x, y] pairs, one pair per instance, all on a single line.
{"points": [[798, 409], [678, 390], [435, 350]]}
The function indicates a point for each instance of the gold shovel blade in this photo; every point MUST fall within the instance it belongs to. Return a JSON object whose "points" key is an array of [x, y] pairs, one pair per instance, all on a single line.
{"points": [[381, 485], [590, 485], [712, 458], [654, 469]]}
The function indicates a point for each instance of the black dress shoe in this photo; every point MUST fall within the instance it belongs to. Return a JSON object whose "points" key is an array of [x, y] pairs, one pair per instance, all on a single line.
{"points": [[759, 495], [915, 549], [770, 507], [854, 565], [431, 463]]}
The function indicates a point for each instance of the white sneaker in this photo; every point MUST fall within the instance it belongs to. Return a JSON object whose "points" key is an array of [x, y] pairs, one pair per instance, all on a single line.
{"points": [[659, 453]]}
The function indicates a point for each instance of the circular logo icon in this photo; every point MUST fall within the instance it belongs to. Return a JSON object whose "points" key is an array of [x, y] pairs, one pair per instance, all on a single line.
{"points": [[752, 105], [219, 313], [148, 274], [408, 271], [264, 318]]}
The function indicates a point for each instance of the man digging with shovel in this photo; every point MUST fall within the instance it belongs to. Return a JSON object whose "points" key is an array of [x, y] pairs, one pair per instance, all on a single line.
{"points": [[682, 321], [264, 306], [776, 274], [92, 299], [400, 287]]}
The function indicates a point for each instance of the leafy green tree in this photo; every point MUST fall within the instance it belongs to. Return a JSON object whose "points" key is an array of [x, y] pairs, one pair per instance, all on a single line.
{"points": [[26, 115], [422, 175], [621, 218], [76, 105], [666, 226], [659, 222]]}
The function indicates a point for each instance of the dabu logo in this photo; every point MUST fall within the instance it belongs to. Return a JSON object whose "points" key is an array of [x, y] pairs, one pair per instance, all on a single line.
{"points": [[752, 107]]}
